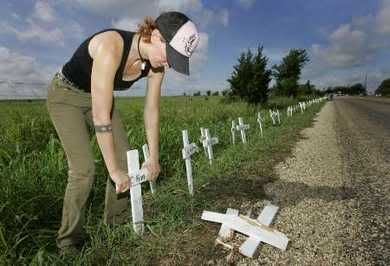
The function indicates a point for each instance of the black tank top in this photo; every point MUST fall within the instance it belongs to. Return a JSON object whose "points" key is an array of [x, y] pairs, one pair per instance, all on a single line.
{"points": [[79, 68]]}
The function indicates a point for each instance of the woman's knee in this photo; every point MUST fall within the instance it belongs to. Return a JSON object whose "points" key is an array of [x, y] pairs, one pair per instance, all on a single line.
{"points": [[82, 174]]}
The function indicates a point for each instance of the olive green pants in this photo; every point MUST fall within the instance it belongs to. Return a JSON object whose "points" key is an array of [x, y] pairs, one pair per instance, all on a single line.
{"points": [[70, 112]]}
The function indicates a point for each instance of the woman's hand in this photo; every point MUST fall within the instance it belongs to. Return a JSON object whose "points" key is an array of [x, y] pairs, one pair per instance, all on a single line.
{"points": [[153, 168], [121, 179]]}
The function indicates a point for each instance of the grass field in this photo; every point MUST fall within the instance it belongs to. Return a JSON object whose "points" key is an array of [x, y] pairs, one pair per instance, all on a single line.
{"points": [[34, 173]]}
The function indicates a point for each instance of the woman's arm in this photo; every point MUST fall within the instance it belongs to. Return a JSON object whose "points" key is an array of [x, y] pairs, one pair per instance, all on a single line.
{"points": [[106, 60], [152, 119]]}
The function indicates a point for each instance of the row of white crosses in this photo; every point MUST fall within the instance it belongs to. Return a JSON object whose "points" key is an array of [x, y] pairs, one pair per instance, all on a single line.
{"points": [[191, 148], [138, 176]]}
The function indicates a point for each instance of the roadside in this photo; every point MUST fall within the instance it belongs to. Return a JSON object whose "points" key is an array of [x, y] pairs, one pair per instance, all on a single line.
{"points": [[311, 195]]}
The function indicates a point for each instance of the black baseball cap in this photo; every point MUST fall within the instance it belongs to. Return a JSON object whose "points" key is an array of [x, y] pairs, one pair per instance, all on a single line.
{"points": [[182, 38]]}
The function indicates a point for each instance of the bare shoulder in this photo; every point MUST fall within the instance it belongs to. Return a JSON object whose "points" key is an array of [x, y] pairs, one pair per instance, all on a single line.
{"points": [[106, 43]]}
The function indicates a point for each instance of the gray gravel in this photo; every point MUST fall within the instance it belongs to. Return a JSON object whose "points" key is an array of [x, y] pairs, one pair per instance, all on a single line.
{"points": [[329, 213]]}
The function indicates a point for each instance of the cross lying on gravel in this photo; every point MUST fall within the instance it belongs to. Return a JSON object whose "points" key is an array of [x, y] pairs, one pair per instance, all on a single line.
{"points": [[258, 230]]}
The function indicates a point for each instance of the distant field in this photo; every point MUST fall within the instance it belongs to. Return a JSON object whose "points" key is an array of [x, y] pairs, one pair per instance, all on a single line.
{"points": [[34, 172]]}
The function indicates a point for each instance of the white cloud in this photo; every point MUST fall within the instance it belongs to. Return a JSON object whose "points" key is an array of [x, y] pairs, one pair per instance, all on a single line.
{"points": [[43, 11], [347, 47], [350, 49], [182, 5], [224, 17], [43, 25], [126, 24], [126, 11], [383, 18], [22, 76], [34, 31], [246, 3]]}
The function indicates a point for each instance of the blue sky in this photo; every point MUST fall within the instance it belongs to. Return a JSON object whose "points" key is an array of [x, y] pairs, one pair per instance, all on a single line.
{"points": [[344, 38]]}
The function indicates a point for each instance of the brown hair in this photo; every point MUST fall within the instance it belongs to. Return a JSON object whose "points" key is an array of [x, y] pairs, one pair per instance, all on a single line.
{"points": [[145, 28]]}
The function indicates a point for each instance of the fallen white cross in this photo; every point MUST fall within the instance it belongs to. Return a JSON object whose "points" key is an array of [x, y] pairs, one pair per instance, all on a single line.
{"points": [[187, 151], [137, 176], [145, 150], [242, 127], [260, 121], [208, 143], [258, 230]]}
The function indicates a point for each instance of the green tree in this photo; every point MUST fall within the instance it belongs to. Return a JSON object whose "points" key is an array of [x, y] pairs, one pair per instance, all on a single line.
{"points": [[288, 72], [306, 89], [208, 93], [250, 78], [384, 88], [242, 76], [357, 89]]}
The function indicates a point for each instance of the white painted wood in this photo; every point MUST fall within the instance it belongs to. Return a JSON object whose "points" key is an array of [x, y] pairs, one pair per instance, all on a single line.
{"points": [[249, 227], [242, 128], [272, 116], [225, 232], [145, 150], [260, 121], [209, 142], [233, 131], [249, 247], [278, 115], [135, 191], [187, 151], [202, 140]]}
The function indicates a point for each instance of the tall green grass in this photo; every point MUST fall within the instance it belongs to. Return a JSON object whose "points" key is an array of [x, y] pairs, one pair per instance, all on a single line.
{"points": [[34, 172]]}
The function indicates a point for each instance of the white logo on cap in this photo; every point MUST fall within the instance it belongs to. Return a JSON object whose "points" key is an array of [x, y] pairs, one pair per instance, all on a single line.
{"points": [[190, 44], [186, 39]]}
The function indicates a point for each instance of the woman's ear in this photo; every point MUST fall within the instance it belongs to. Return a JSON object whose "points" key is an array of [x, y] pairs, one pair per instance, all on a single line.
{"points": [[155, 36]]}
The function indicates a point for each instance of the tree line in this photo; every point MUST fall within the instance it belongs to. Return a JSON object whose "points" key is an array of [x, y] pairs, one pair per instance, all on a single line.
{"points": [[250, 80]]}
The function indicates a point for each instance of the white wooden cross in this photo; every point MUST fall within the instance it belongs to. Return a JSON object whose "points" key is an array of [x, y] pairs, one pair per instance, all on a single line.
{"points": [[233, 131], [288, 111], [208, 143], [301, 106], [187, 151], [137, 176], [145, 150], [242, 127], [202, 139], [272, 116], [258, 230], [278, 115], [260, 121]]}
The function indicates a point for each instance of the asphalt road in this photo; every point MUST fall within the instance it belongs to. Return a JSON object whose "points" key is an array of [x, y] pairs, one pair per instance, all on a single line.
{"points": [[363, 135]]}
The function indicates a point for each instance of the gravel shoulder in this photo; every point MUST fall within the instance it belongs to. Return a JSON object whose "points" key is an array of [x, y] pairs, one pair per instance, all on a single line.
{"points": [[315, 202]]}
